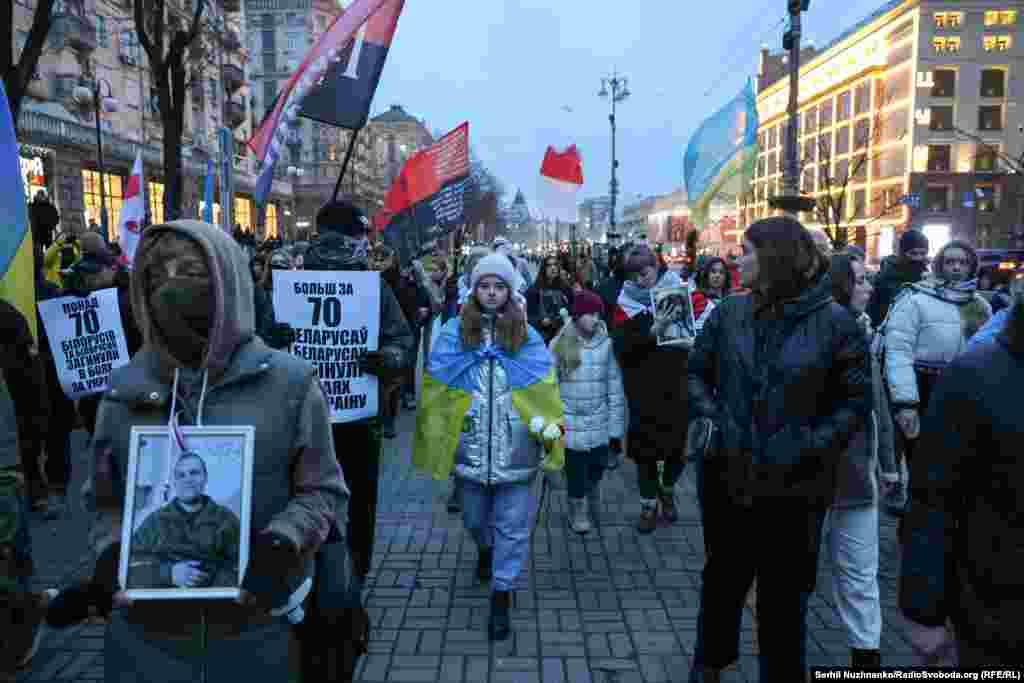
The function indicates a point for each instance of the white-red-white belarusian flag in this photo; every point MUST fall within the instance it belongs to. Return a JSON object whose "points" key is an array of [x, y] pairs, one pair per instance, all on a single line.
{"points": [[561, 177], [133, 211]]}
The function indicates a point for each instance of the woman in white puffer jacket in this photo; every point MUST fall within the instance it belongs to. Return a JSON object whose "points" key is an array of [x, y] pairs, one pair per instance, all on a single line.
{"points": [[590, 383]]}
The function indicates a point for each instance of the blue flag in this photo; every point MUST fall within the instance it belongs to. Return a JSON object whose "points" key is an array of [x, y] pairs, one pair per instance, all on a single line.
{"points": [[720, 155], [208, 193]]}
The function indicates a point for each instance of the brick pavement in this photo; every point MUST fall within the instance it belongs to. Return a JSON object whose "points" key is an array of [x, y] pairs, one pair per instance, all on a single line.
{"points": [[613, 607]]}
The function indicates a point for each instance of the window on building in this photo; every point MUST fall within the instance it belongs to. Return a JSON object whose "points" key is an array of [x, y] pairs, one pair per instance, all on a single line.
{"points": [[269, 62], [990, 117], [1000, 17], [823, 178], [825, 114], [936, 198], [810, 120], [986, 199], [948, 19], [942, 117], [946, 44], [862, 98], [761, 137], [155, 195], [807, 181], [887, 201], [772, 163], [270, 225], [943, 83], [825, 146], [939, 158], [842, 172], [809, 152], [332, 152], [993, 83], [986, 158], [243, 213], [997, 43], [91, 198], [842, 140], [858, 207], [862, 134], [843, 106], [859, 168], [771, 137], [897, 87], [102, 37]]}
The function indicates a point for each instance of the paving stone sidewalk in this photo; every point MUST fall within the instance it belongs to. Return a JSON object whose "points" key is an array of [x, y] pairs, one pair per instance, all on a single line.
{"points": [[613, 607]]}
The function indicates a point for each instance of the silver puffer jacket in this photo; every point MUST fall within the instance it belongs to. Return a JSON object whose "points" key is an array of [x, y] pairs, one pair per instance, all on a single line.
{"points": [[495, 446]]}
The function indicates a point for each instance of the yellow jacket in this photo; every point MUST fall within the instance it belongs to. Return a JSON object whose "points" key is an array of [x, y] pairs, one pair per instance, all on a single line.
{"points": [[51, 261]]}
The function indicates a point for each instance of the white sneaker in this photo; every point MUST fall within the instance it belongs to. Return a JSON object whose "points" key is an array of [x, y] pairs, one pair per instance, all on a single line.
{"points": [[579, 520]]}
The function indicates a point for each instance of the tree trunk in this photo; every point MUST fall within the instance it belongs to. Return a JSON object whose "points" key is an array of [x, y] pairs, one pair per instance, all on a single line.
{"points": [[17, 75]]}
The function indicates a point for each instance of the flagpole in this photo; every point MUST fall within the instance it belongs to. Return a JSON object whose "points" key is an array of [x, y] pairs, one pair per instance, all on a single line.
{"points": [[344, 163]]}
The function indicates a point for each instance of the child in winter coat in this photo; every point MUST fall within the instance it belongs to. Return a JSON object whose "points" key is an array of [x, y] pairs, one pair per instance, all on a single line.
{"points": [[590, 383], [489, 399]]}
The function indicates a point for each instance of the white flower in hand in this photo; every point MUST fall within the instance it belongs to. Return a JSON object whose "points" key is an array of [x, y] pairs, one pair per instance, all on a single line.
{"points": [[537, 425], [552, 432]]}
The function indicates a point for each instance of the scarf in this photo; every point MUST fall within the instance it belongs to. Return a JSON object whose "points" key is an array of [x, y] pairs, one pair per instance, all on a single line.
{"points": [[634, 299]]}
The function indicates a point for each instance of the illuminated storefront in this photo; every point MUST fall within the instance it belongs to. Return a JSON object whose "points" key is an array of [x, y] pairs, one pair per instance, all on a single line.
{"points": [[91, 199]]}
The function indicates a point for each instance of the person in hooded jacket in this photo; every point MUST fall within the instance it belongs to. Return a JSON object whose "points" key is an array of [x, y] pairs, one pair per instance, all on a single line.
{"points": [[384, 260], [655, 381], [343, 244], [928, 327], [869, 464], [203, 365], [784, 374], [897, 272], [963, 549], [276, 335], [590, 384]]}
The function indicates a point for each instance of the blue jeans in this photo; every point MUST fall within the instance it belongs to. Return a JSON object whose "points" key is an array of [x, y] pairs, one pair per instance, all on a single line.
{"points": [[499, 518], [584, 470]]}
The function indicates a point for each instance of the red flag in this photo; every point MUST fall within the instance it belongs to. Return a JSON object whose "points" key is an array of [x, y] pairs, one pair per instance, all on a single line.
{"points": [[566, 166], [428, 170]]}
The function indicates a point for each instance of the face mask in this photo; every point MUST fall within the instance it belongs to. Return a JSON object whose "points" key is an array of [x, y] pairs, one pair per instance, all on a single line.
{"points": [[182, 308]]}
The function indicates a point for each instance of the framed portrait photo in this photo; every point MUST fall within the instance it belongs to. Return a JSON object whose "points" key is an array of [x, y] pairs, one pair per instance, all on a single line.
{"points": [[185, 528], [673, 308]]}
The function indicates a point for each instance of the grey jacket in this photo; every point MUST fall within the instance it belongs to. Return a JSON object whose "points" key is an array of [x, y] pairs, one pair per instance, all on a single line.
{"points": [[298, 489], [872, 452], [495, 446]]}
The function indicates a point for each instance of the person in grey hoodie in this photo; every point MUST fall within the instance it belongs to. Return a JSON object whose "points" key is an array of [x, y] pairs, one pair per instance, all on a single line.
{"points": [[192, 298], [851, 539]]}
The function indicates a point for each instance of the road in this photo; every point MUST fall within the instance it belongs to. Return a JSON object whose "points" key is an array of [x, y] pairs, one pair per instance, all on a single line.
{"points": [[611, 607]]}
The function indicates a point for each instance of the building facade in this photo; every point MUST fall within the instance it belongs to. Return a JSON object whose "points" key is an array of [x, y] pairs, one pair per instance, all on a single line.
{"points": [[666, 219], [94, 41], [906, 119]]}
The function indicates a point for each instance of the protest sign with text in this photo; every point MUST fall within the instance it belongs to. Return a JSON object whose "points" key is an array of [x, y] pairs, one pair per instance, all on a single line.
{"points": [[336, 317], [87, 339]]}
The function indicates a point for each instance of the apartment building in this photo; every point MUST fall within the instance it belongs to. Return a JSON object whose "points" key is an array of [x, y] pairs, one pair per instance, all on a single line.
{"points": [[907, 119]]}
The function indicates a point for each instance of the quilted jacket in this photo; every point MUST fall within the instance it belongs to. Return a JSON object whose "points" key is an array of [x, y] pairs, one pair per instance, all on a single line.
{"points": [[592, 393], [927, 328]]}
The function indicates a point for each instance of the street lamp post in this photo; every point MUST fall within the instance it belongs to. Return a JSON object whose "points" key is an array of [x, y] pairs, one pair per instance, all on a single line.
{"points": [[790, 200], [619, 91], [84, 96]]}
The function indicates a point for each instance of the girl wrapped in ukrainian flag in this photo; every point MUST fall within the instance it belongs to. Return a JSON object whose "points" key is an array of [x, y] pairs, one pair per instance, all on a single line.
{"points": [[490, 406]]}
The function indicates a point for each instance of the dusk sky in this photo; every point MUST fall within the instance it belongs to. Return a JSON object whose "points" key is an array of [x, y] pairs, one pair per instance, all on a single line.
{"points": [[510, 66]]}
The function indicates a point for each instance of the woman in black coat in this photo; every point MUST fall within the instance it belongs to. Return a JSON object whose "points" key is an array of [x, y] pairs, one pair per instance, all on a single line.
{"points": [[546, 298], [783, 373]]}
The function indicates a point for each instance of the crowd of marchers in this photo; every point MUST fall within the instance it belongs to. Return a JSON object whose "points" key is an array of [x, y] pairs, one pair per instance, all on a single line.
{"points": [[810, 400]]}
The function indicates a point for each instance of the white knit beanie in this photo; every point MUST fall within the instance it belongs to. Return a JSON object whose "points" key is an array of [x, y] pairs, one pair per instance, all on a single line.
{"points": [[497, 265]]}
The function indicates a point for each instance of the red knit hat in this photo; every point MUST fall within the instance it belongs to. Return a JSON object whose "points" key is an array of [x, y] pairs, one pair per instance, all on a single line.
{"points": [[585, 302]]}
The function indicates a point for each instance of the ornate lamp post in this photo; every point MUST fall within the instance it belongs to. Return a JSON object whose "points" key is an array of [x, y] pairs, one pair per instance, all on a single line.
{"points": [[619, 91], [84, 97]]}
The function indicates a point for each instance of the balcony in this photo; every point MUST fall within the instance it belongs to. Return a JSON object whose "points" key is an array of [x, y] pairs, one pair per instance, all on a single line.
{"points": [[234, 113], [71, 30], [234, 77]]}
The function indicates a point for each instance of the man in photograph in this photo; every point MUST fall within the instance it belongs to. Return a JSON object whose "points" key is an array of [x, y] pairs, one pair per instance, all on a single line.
{"points": [[191, 542], [674, 319]]}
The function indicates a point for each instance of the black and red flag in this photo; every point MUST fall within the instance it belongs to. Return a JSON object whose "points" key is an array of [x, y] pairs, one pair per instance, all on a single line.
{"points": [[426, 200], [343, 96]]}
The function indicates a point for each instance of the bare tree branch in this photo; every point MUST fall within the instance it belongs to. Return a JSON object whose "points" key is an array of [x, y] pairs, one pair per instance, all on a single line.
{"points": [[18, 74]]}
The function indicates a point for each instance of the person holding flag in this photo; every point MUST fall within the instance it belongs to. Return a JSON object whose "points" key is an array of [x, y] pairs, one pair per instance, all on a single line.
{"points": [[489, 367]]}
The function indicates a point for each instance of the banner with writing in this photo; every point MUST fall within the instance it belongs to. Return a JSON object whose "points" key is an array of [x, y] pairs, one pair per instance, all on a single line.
{"points": [[336, 317], [87, 340]]}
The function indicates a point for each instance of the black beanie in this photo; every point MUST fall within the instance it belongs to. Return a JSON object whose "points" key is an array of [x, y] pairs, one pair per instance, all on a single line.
{"points": [[913, 239], [344, 217]]}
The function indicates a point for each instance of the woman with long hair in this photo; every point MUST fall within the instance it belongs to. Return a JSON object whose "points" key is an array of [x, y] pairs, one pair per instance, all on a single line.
{"points": [[711, 286], [547, 298], [783, 373]]}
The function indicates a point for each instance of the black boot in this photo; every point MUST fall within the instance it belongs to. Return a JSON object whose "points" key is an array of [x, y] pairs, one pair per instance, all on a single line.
{"points": [[865, 659], [500, 626], [483, 564]]}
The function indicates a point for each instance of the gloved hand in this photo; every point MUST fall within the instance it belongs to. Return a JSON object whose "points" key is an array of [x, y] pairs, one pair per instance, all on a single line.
{"points": [[280, 336], [615, 445], [274, 571]]}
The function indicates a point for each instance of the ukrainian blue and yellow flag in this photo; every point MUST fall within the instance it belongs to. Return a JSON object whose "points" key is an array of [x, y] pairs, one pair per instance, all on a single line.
{"points": [[17, 260], [447, 391], [720, 156]]}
